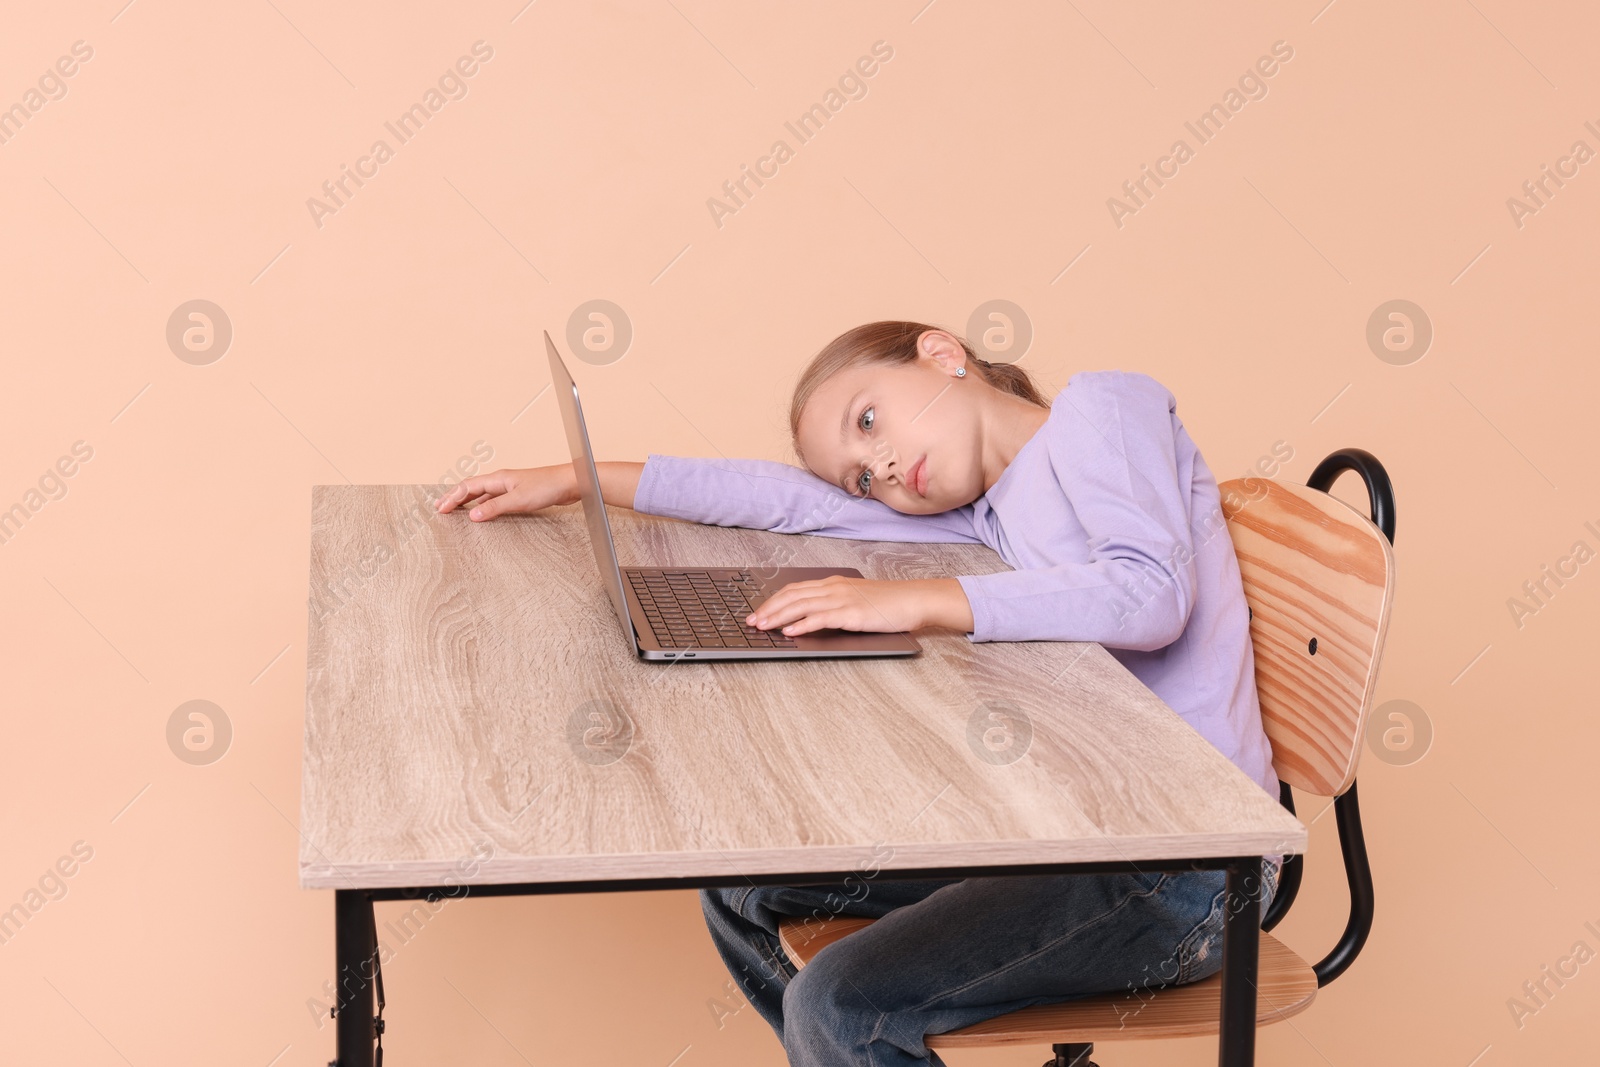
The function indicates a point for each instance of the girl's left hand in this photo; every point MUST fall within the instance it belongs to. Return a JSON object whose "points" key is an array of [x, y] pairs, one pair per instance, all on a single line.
{"points": [[862, 604]]}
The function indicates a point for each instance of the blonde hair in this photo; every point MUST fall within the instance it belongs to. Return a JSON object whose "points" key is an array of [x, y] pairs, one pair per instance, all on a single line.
{"points": [[894, 343]]}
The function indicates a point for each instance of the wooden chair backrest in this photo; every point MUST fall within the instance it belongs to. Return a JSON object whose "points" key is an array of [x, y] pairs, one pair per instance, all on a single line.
{"points": [[1314, 568]]}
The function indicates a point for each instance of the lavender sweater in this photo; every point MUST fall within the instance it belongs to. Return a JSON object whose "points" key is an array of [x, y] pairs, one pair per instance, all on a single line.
{"points": [[1111, 519]]}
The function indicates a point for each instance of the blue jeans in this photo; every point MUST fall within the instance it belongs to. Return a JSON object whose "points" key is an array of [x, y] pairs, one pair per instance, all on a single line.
{"points": [[946, 954]]}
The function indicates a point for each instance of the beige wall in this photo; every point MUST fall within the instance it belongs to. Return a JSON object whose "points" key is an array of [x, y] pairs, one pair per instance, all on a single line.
{"points": [[382, 341]]}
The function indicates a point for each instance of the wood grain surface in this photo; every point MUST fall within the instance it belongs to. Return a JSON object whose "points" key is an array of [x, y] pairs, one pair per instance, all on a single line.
{"points": [[474, 714], [1319, 577]]}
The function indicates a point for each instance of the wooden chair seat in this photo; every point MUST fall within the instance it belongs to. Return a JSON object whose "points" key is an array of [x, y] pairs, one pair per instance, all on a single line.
{"points": [[1286, 985]]}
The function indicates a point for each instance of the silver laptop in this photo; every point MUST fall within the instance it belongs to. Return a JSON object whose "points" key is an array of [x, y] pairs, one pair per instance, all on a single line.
{"points": [[678, 613]]}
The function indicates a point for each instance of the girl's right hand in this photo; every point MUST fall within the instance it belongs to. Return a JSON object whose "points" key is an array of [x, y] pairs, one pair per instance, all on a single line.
{"points": [[511, 492]]}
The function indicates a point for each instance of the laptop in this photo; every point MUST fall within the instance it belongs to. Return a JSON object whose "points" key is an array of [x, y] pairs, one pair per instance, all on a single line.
{"points": [[682, 613]]}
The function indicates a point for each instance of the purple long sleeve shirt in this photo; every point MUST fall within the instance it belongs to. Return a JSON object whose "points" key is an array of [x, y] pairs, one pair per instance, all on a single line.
{"points": [[1111, 519]]}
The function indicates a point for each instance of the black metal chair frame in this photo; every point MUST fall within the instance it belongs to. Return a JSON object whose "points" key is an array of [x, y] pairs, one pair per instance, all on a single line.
{"points": [[1346, 808]]}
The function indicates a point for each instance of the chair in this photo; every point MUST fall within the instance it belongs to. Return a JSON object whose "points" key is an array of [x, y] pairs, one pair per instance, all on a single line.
{"points": [[1319, 581]]}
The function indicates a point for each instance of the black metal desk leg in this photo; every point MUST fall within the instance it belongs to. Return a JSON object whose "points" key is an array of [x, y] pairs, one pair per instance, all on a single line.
{"points": [[355, 957], [1241, 958]]}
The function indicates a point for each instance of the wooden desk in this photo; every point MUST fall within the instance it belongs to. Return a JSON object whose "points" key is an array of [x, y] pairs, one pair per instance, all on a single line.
{"points": [[476, 723]]}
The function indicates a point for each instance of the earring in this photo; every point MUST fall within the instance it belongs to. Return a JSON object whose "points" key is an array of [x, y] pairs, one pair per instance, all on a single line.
{"points": [[961, 372]]}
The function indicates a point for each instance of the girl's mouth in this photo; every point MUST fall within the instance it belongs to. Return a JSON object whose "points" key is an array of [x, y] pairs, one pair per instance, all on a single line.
{"points": [[918, 477]]}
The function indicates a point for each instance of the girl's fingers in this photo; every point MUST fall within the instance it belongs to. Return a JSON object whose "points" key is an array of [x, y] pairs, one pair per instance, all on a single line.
{"points": [[472, 487], [490, 507], [800, 591], [784, 606], [816, 620], [455, 496]]}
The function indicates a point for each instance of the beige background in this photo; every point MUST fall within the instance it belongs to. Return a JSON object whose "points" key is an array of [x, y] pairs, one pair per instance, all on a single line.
{"points": [[382, 345]]}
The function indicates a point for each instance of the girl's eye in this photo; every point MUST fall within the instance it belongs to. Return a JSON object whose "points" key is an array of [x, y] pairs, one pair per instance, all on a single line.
{"points": [[864, 482], [867, 418]]}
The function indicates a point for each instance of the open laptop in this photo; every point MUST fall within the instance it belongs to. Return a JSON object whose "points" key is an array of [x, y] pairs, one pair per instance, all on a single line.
{"points": [[677, 613]]}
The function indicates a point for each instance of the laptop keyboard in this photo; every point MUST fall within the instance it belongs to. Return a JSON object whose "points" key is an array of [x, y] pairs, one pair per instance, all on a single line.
{"points": [[691, 609]]}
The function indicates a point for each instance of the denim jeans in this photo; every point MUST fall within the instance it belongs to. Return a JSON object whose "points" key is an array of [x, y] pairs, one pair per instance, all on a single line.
{"points": [[946, 954]]}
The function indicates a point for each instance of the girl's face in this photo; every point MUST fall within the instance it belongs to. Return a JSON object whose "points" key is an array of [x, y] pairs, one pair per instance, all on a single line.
{"points": [[908, 435]]}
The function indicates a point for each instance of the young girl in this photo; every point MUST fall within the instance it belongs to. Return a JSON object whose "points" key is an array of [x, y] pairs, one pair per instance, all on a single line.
{"points": [[1113, 523]]}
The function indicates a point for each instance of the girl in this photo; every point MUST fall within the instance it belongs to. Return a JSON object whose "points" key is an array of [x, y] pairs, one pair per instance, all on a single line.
{"points": [[1113, 523]]}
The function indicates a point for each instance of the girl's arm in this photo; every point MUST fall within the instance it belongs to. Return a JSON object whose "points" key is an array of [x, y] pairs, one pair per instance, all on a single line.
{"points": [[619, 481], [754, 493], [1134, 480], [760, 494]]}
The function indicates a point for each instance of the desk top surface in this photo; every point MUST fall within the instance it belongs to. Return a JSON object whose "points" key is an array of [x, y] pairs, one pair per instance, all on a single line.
{"points": [[474, 714]]}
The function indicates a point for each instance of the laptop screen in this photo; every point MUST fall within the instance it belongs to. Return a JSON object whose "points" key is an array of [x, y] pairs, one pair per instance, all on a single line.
{"points": [[594, 511]]}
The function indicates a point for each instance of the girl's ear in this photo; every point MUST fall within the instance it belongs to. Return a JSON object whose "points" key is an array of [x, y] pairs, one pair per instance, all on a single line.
{"points": [[942, 349]]}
